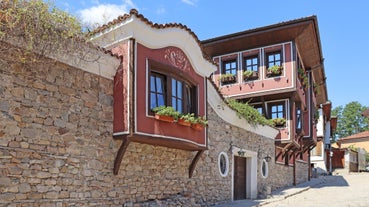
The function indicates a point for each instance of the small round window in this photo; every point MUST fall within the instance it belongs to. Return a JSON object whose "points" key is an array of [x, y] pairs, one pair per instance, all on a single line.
{"points": [[223, 164], [264, 169]]}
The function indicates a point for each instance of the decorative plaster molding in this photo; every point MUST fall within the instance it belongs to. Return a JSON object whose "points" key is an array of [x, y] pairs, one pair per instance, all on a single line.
{"points": [[156, 38], [177, 58]]}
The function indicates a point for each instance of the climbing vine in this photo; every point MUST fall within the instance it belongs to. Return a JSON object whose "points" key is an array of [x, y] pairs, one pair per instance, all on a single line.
{"points": [[249, 113]]}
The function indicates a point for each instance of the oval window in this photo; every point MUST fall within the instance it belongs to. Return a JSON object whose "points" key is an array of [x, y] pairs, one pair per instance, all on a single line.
{"points": [[223, 164], [264, 169]]}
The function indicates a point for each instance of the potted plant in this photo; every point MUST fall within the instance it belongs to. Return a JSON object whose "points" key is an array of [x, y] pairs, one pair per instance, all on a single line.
{"points": [[198, 123], [274, 70], [228, 78], [165, 113], [279, 122], [184, 119], [250, 75]]}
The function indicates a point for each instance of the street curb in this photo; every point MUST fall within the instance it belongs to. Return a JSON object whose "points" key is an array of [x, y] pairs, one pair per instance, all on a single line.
{"points": [[271, 200]]}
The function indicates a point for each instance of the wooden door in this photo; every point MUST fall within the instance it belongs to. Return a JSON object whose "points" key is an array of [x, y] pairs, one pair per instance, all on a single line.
{"points": [[239, 180]]}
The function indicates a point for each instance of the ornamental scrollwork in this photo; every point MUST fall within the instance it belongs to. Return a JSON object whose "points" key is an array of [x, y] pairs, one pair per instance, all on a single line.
{"points": [[177, 58]]}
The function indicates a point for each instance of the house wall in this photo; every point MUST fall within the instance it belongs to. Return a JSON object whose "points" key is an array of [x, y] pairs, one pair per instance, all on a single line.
{"points": [[358, 143], [264, 83], [145, 123], [56, 147]]}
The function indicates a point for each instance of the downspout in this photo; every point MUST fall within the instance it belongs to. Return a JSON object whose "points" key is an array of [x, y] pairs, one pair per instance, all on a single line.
{"points": [[294, 168], [311, 114]]}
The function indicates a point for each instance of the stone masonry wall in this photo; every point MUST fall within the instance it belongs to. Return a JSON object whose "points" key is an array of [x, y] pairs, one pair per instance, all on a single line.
{"points": [[56, 147]]}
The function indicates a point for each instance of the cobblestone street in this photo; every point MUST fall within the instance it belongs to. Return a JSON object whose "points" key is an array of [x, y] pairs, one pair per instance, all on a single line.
{"points": [[342, 190], [347, 190]]}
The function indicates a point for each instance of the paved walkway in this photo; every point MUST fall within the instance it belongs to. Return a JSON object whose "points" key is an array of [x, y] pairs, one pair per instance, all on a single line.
{"points": [[280, 194]]}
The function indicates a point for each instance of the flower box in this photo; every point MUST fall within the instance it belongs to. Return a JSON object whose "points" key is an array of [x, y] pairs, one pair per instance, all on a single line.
{"points": [[184, 122], [164, 118]]}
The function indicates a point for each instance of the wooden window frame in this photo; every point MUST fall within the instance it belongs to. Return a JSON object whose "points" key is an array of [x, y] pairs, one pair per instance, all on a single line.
{"points": [[189, 102], [278, 103], [245, 58], [163, 80], [224, 63], [267, 62]]}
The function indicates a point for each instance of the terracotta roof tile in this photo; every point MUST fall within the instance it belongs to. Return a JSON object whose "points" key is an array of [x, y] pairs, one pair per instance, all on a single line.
{"points": [[366, 113], [134, 12], [357, 136]]}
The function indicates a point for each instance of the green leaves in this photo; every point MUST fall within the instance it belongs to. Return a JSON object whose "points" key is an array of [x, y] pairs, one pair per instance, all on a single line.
{"points": [[349, 119], [37, 26], [249, 113]]}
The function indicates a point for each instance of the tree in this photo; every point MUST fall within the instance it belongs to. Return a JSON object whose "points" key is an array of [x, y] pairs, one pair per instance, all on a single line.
{"points": [[350, 120]]}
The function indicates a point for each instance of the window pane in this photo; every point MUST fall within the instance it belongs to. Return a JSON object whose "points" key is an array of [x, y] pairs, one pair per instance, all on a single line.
{"points": [[161, 100], [277, 57], [174, 103], [152, 100], [179, 106], [233, 65], [159, 85], [152, 83], [174, 85], [179, 89], [271, 58]]}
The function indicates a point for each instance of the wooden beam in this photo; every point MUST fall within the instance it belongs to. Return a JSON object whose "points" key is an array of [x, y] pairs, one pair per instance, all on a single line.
{"points": [[120, 154], [194, 162]]}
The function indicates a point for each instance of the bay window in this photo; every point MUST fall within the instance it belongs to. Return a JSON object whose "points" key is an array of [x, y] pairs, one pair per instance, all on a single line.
{"points": [[170, 89]]}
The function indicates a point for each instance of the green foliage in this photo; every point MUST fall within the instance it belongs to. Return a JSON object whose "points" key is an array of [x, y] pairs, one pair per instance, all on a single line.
{"points": [[37, 25], [194, 119], [170, 111], [166, 111], [279, 121], [275, 69], [249, 113], [353, 148], [316, 115], [187, 117], [301, 72], [226, 75], [349, 119], [247, 73]]}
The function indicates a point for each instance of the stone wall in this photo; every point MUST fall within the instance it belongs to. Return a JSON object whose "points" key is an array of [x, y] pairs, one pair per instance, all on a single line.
{"points": [[302, 171], [56, 148]]}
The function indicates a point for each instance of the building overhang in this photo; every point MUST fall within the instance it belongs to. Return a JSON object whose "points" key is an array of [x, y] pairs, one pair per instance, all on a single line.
{"points": [[303, 32], [154, 36]]}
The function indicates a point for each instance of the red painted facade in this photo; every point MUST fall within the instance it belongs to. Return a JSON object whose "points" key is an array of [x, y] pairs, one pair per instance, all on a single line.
{"points": [[146, 123], [121, 91], [288, 88], [132, 116]]}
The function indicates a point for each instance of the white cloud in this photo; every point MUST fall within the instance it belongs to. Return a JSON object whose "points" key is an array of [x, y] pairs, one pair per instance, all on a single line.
{"points": [[103, 13], [190, 2]]}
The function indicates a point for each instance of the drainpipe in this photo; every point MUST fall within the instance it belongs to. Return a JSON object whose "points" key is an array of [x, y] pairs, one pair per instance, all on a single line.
{"points": [[294, 168], [311, 114]]}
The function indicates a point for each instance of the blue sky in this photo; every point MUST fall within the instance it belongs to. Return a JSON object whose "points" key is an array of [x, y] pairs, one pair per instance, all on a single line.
{"points": [[343, 28]]}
